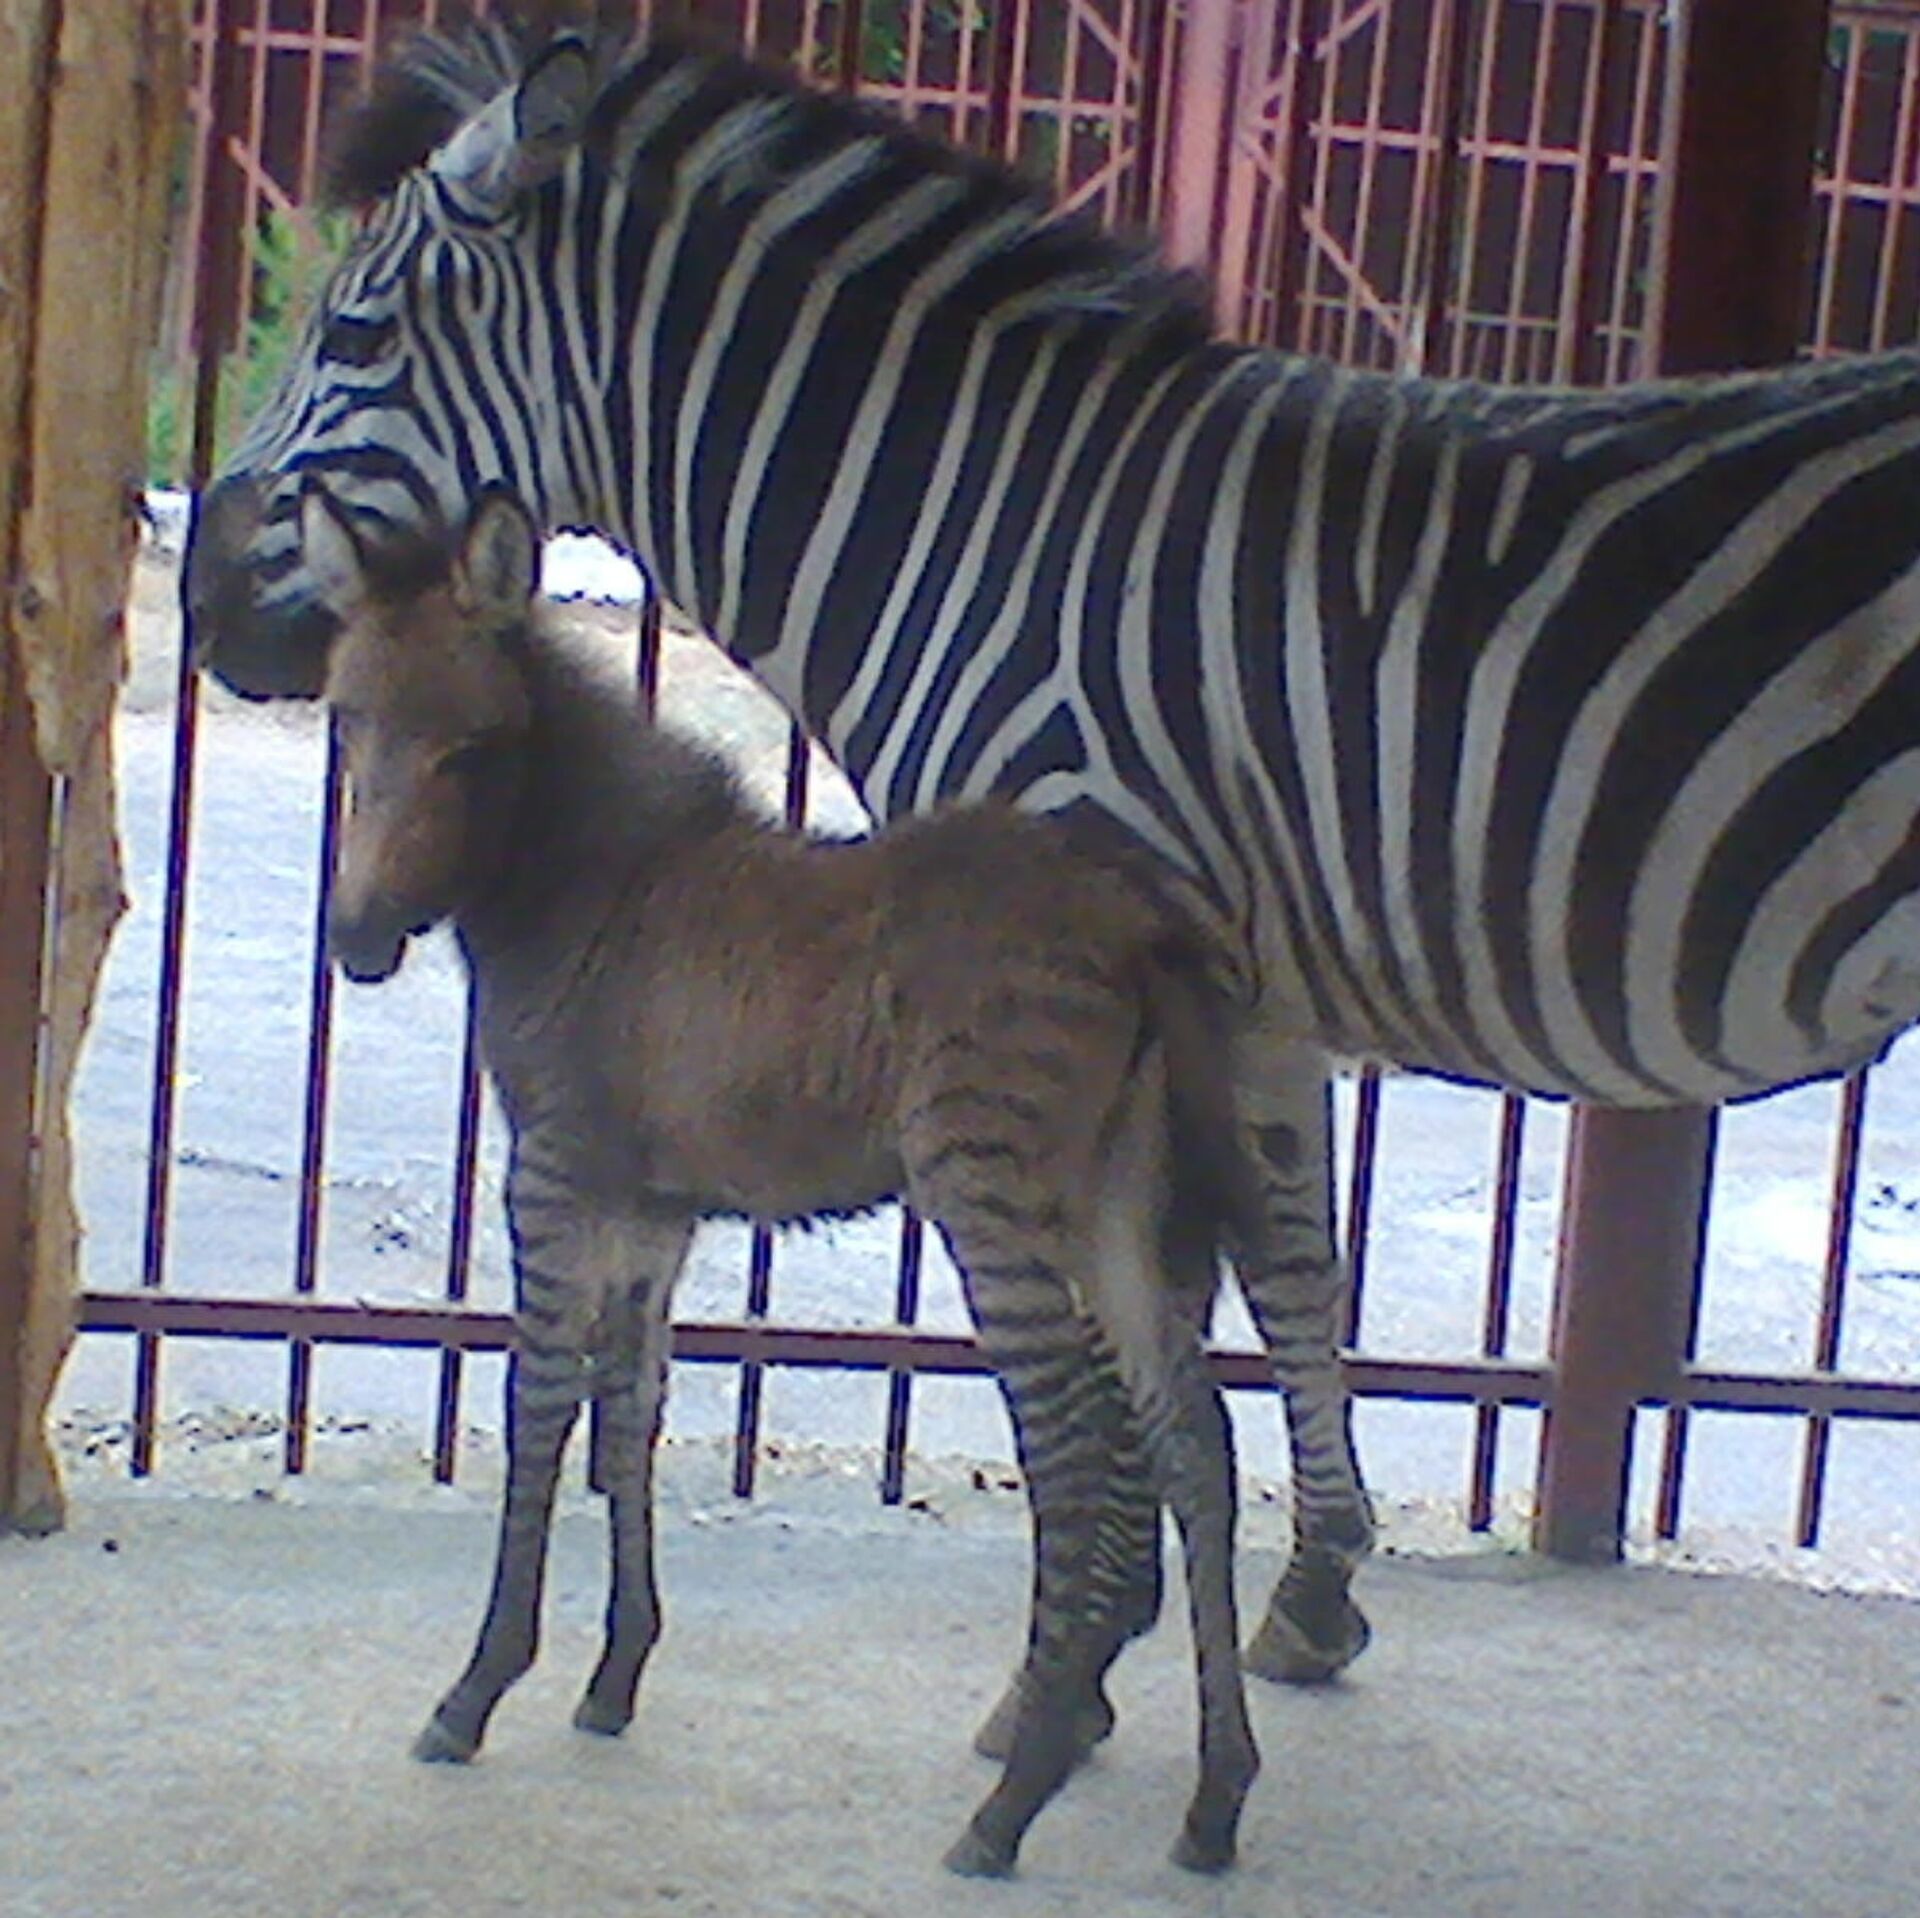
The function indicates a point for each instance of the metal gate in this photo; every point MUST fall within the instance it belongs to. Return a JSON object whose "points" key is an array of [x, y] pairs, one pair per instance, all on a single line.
{"points": [[1461, 186]]}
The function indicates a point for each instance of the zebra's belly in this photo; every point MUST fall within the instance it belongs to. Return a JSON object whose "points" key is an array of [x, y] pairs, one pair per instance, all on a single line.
{"points": [[1755, 1017]]}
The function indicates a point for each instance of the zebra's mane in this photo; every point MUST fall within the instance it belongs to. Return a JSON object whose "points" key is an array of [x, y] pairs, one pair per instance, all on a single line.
{"points": [[437, 77]]}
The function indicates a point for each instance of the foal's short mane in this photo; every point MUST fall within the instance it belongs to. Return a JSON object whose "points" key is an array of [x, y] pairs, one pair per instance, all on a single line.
{"points": [[436, 77]]}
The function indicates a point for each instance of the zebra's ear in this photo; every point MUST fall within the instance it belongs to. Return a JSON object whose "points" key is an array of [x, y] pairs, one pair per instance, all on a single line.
{"points": [[523, 135], [331, 551], [498, 568]]}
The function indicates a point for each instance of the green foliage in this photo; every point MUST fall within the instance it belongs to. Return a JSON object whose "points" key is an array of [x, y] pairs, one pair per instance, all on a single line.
{"points": [[292, 256], [883, 35]]}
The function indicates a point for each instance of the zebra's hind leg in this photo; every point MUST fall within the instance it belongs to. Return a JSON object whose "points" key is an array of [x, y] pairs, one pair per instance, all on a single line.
{"points": [[543, 1399], [1295, 1285], [630, 1388]]}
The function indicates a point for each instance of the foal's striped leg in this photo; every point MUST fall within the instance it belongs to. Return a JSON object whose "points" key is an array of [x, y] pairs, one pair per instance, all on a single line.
{"points": [[630, 1390], [543, 1399], [577, 1268]]}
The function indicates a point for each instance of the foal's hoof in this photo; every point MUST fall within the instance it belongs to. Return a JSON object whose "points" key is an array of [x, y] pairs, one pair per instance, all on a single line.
{"points": [[994, 1739], [1283, 1650], [971, 1856], [604, 1717], [436, 1745], [1207, 1855]]}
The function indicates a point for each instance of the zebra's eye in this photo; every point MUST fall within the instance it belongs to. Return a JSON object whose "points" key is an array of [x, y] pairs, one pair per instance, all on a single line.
{"points": [[349, 341]]}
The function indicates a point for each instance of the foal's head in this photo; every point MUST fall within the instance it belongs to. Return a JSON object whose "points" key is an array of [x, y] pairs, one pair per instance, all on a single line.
{"points": [[432, 714]]}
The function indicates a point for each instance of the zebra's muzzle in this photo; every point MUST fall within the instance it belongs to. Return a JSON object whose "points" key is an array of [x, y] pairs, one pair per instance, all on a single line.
{"points": [[260, 637]]}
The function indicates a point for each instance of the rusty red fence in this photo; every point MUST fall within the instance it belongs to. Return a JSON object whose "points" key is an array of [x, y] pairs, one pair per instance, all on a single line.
{"points": [[1461, 186]]}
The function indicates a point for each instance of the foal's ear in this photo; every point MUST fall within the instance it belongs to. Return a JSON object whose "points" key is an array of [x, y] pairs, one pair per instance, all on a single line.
{"points": [[498, 568], [331, 551]]}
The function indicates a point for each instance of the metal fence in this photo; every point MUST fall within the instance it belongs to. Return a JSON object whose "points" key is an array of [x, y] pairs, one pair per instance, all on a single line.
{"points": [[1461, 186]]}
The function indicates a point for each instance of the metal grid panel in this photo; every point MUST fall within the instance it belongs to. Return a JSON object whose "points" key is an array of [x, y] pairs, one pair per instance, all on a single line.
{"points": [[1463, 186]]}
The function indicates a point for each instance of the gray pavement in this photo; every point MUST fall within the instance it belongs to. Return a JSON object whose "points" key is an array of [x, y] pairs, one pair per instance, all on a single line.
{"points": [[205, 1704]]}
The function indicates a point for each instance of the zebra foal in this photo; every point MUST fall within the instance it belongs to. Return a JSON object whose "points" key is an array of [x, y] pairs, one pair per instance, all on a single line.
{"points": [[965, 486], [686, 1011]]}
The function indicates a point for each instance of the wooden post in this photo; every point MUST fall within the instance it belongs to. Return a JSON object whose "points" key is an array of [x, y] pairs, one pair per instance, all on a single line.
{"points": [[95, 104], [1734, 221]]}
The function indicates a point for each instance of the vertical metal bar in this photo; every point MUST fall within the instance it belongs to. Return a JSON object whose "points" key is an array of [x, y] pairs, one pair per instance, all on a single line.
{"points": [[1435, 218], [312, 106], [906, 1311], [1833, 1301], [647, 656], [1900, 174], [1670, 1485], [1353, 342], [1515, 359], [1366, 1148], [746, 1425], [1833, 243], [1008, 28], [1290, 250], [1150, 42], [163, 1105], [466, 1162], [1314, 199], [1472, 220], [1580, 355], [746, 1431], [1656, 33], [214, 277], [1499, 1303], [313, 1125], [848, 43]]}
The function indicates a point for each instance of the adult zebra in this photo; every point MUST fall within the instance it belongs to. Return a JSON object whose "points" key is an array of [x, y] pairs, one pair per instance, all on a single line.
{"points": [[1553, 740]]}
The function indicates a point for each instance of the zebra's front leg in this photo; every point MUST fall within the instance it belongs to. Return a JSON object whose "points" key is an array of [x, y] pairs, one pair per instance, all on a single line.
{"points": [[543, 1399], [630, 1389], [1295, 1285]]}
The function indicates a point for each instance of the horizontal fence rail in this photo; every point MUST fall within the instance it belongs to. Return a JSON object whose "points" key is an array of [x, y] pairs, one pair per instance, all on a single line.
{"points": [[1459, 186]]}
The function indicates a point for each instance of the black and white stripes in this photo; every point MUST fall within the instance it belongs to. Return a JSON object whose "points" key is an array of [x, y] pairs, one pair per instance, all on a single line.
{"points": [[1559, 740]]}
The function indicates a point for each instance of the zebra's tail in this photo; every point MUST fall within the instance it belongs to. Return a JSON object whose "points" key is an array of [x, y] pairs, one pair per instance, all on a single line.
{"points": [[1216, 1189]]}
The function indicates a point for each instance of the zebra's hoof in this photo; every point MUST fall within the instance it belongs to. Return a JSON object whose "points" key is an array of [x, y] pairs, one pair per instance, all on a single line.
{"points": [[436, 1745], [1283, 1651], [1205, 1855], [604, 1717], [971, 1856]]}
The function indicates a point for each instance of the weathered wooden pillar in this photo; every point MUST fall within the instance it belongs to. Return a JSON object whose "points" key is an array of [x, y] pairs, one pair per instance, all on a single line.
{"points": [[1731, 289], [94, 107]]}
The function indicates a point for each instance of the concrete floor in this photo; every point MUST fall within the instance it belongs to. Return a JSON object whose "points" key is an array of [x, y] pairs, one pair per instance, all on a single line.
{"points": [[205, 1706]]}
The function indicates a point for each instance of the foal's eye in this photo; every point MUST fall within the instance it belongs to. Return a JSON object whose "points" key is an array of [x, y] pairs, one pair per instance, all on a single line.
{"points": [[475, 757]]}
